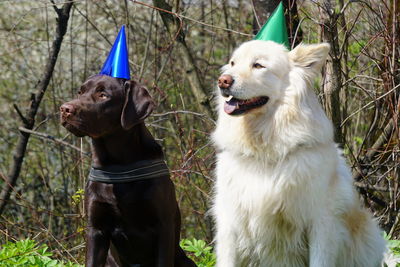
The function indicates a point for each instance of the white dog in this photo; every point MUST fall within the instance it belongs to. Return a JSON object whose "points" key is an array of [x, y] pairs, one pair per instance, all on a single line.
{"points": [[284, 195]]}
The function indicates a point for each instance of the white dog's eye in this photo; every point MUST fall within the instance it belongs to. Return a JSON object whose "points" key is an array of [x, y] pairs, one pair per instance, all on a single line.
{"points": [[258, 66], [232, 63]]}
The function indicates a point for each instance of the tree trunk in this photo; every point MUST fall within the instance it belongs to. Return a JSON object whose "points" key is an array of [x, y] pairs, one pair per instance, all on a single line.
{"points": [[333, 71]]}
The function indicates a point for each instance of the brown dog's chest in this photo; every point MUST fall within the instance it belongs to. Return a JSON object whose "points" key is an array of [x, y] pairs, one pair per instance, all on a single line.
{"points": [[123, 205]]}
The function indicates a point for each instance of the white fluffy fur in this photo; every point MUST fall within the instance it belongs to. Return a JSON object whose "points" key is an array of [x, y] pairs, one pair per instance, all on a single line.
{"points": [[284, 195]]}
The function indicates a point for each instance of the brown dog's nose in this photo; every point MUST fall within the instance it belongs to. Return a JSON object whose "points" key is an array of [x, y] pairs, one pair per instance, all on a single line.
{"points": [[67, 109], [225, 81]]}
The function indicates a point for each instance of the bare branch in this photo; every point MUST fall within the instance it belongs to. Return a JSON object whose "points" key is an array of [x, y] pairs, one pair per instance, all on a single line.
{"points": [[19, 152], [53, 139]]}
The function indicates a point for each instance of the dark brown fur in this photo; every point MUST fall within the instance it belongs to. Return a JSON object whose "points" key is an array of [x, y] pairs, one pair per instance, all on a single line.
{"points": [[128, 223]]}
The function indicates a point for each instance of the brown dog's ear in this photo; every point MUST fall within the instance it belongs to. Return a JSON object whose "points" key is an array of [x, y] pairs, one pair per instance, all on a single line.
{"points": [[137, 106]]}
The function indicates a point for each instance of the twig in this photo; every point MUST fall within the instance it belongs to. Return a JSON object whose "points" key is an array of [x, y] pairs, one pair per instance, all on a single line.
{"points": [[183, 112], [372, 187], [191, 19], [147, 47], [368, 104], [178, 34], [361, 170], [22, 117], [94, 26], [53, 139]]}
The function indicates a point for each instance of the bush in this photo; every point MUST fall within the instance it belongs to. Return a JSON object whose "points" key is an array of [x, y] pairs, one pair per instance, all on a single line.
{"points": [[393, 257], [199, 252], [29, 253]]}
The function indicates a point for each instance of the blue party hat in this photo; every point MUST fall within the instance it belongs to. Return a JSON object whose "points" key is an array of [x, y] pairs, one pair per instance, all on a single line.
{"points": [[117, 63]]}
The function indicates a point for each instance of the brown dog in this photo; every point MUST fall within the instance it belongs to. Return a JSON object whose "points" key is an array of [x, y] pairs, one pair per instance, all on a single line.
{"points": [[133, 216]]}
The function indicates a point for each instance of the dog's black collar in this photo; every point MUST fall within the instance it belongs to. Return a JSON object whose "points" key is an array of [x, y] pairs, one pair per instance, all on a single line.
{"points": [[141, 170]]}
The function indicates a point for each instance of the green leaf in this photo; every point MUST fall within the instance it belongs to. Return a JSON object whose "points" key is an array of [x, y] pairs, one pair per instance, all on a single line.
{"points": [[199, 252]]}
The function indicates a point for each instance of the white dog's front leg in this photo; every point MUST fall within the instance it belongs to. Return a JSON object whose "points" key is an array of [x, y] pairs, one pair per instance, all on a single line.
{"points": [[226, 247], [324, 239]]}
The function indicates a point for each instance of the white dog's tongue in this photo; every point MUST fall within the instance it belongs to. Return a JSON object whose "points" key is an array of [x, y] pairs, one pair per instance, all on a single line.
{"points": [[231, 105]]}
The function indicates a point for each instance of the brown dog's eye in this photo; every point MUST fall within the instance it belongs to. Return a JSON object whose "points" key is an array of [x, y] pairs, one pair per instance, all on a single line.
{"points": [[79, 92], [258, 66], [103, 96], [232, 63]]}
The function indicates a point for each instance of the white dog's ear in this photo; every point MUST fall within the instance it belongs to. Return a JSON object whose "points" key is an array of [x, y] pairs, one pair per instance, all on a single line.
{"points": [[310, 56]]}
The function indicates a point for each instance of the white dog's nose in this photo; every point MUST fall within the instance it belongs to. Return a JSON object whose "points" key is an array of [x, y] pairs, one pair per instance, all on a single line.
{"points": [[225, 81]]}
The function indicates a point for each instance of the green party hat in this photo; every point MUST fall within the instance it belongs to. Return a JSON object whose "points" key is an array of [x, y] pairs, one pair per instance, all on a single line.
{"points": [[275, 28]]}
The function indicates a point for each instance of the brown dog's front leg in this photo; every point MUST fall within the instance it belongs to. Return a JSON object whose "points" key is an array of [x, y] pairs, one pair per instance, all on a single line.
{"points": [[97, 244], [166, 246]]}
